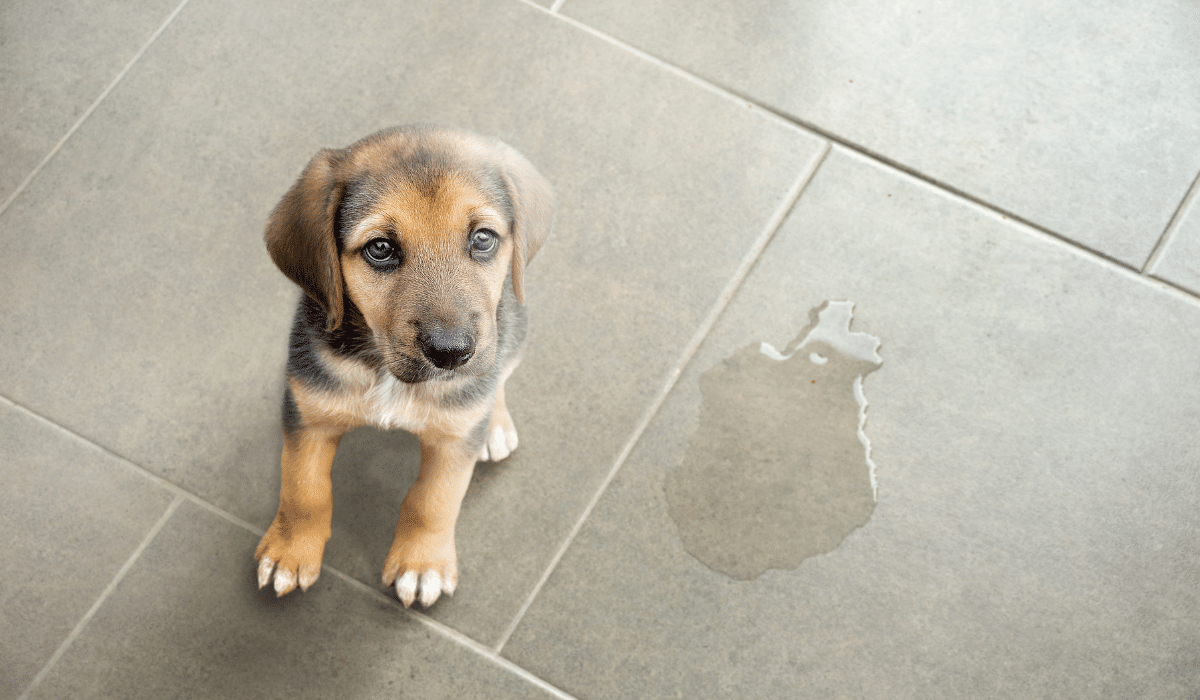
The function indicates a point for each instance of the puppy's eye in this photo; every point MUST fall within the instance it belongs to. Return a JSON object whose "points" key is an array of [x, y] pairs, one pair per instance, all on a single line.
{"points": [[380, 251], [484, 242]]}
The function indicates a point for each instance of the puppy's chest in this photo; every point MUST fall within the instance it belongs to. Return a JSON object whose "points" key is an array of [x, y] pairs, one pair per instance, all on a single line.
{"points": [[393, 405]]}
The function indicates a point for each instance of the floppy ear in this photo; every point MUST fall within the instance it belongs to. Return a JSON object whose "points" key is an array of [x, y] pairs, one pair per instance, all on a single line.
{"points": [[300, 235], [533, 211]]}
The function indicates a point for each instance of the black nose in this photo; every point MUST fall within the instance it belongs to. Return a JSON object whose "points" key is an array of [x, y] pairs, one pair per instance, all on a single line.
{"points": [[447, 349]]}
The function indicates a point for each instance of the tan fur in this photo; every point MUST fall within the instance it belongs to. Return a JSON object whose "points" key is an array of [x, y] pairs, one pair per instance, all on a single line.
{"points": [[296, 539], [428, 213], [435, 262]]}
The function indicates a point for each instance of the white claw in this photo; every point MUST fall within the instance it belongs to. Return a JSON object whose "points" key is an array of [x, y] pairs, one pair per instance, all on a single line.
{"points": [[265, 567], [449, 584], [308, 576], [431, 587], [500, 443], [284, 581], [406, 588]]}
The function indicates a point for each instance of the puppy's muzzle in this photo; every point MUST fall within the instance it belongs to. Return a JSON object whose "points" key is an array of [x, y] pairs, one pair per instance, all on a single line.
{"points": [[446, 349]]}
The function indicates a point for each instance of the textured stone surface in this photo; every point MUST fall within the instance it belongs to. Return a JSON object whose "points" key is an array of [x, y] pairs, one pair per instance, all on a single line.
{"points": [[163, 335], [187, 622], [1180, 259], [1032, 427], [1078, 116], [56, 58], [1035, 452], [71, 517]]}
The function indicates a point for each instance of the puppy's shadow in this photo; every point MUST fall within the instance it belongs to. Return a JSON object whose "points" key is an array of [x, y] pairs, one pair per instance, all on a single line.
{"points": [[371, 473]]}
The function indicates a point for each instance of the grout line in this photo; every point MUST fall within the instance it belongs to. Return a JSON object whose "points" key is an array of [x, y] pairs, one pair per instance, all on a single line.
{"points": [[104, 595], [452, 634], [171, 486], [1172, 225], [1128, 271], [493, 655], [88, 112], [812, 129], [490, 655], [762, 110], [182, 494], [706, 326]]}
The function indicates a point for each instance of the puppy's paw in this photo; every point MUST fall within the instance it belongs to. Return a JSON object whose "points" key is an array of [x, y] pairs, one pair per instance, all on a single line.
{"points": [[501, 438], [287, 562], [421, 567]]}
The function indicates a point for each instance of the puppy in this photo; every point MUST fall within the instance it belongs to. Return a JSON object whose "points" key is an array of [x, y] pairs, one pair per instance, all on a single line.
{"points": [[411, 247]]}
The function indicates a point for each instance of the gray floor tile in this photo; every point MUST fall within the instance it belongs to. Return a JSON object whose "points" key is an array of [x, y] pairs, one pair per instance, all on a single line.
{"points": [[1081, 117], [56, 58], [186, 622], [1033, 430], [143, 312], [1180, 260], [70, 516]]}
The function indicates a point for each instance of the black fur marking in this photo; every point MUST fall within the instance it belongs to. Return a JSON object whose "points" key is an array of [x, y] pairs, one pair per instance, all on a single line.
{"points": [[411, 370], [352, 339], [359, 200], [475, 391], [425, 168], [292, 420]]}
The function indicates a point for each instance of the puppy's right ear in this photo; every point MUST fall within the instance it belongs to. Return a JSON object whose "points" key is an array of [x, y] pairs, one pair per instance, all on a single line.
{"points": [[300, 234]]}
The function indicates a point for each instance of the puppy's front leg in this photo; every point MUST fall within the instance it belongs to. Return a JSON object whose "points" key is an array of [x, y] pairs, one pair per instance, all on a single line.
{"points": [[423, 559], [295, 542], [501, 437]]}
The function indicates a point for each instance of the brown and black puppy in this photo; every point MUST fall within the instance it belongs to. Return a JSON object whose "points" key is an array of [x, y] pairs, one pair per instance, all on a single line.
{"points": [[411, 247]]}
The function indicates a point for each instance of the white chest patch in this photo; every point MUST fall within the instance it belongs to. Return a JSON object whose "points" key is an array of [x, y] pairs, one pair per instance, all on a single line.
{"points": [[392, 404], [377, 398]]}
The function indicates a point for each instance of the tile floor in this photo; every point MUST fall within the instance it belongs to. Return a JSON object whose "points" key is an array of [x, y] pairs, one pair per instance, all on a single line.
{"points": [[1007, 193]]}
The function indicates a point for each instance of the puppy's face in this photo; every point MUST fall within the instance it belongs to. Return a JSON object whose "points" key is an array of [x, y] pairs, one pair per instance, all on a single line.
{"points": [[419, 227], [424, 256]]}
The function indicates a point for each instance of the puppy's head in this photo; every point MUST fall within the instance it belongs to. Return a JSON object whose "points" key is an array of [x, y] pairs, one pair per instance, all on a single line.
{"points": [[418, 228]]}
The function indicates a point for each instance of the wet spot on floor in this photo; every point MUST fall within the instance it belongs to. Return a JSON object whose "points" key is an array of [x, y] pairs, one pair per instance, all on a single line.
{"points": [[779, 469]]}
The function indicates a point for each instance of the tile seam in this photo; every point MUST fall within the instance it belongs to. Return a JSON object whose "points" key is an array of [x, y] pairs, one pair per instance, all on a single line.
{"points": [[1127, 271], [730, 290], [1172, 226], [37, 169], [1094, 255], [493, 655], [103, 597], [707, 85], [145, 473], [181, 494], [453, 635], [811, 129]]}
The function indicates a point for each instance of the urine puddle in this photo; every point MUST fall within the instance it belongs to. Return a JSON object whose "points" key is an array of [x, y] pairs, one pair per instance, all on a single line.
{"points": [[779, 469]]}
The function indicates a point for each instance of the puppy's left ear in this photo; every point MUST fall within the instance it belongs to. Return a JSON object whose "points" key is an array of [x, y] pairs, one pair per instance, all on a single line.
{"points": [[533, 211]]}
